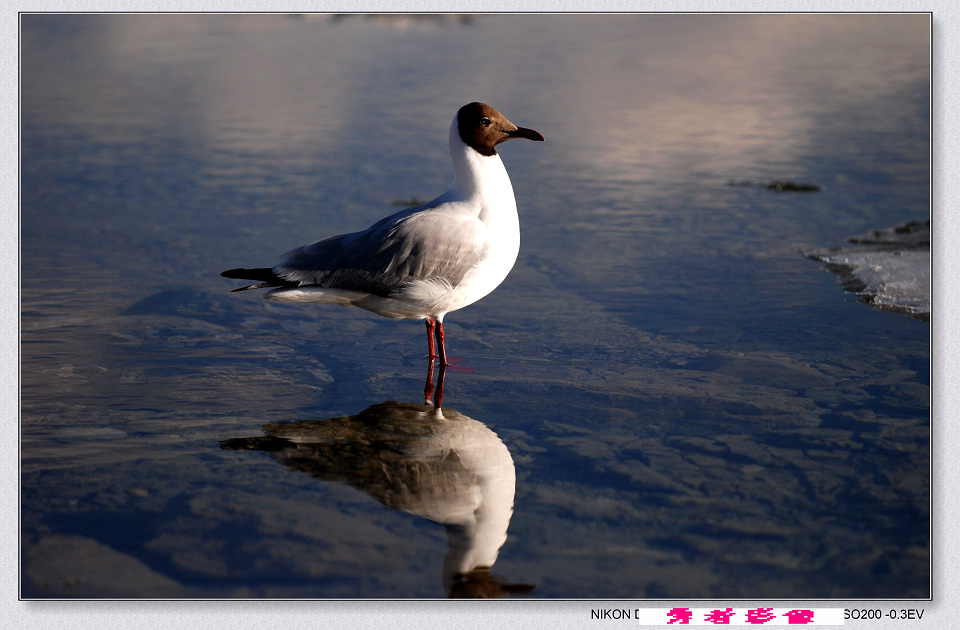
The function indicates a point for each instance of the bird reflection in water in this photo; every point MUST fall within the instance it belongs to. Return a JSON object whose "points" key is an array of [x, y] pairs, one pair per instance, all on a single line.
{"points": [[439, 465]]}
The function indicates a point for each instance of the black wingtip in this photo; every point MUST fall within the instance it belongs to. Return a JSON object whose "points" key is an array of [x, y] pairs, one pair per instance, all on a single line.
{"points": [[240, 274], [262, 274]]}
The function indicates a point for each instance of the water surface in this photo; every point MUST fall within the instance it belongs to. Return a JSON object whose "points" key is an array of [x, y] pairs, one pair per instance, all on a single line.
{"points": [[692, 408]]}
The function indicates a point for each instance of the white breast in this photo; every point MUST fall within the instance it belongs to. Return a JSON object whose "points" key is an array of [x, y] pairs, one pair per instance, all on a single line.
{"points": [[483, 185]]}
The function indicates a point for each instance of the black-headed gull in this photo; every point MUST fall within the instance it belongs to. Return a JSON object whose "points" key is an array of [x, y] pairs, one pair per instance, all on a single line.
{"points": [[425, 261]]}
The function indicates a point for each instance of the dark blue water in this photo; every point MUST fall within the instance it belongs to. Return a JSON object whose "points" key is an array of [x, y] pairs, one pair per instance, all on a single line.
{"points": [[691, 406]]}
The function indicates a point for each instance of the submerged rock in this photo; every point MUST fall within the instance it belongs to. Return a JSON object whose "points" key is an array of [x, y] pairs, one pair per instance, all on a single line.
{"points": [[890, 270], [791, 187], [778, 186]]}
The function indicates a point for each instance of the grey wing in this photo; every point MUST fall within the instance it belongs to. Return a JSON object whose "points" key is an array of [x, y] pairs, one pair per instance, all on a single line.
{"points": [[404, 248]]}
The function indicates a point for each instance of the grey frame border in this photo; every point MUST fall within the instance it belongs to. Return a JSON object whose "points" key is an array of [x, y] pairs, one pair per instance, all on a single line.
{"points": [[944, 606]]}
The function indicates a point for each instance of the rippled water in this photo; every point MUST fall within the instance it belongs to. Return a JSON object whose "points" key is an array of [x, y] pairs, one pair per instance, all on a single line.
{"points": [[673, 398]]}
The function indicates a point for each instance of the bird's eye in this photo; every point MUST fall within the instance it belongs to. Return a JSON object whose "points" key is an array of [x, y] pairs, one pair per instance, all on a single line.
{"points": [[485, 121]]}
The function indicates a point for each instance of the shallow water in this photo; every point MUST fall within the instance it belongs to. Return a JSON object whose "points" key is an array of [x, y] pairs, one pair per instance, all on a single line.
{"points": [[692, 408]]}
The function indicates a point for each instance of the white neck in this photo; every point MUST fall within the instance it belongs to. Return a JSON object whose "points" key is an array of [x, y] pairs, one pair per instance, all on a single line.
{"points": [[478, 177]]}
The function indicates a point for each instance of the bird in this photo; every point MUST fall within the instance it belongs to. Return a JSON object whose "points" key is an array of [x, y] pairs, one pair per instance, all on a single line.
{"points": [[424, 261]]}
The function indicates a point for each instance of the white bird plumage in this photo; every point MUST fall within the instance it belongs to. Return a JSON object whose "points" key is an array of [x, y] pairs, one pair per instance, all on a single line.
{"points": [[422, 262]]}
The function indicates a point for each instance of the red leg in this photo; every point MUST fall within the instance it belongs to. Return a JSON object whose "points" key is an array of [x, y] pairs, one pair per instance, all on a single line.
{"points": [[442, 350], [430, 346]]}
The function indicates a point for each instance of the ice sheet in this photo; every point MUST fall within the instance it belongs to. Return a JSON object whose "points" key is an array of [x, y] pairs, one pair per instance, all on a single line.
{"points": [[889, 270]]}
